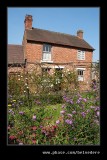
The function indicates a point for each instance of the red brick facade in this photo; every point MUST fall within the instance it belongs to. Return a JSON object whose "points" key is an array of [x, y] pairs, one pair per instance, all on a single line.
{"points": [[59, 54], [63, 54], [33, 52]]}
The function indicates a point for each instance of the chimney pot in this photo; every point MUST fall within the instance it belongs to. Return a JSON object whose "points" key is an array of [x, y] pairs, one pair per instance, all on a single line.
{"points": [[80, 34]]}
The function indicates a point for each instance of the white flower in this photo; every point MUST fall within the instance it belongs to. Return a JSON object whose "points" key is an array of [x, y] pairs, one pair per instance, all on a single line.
{"points": [[98, 113]]}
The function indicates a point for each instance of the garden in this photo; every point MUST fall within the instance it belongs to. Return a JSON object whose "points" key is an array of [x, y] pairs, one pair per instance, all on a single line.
{"points": [[51, 110]]}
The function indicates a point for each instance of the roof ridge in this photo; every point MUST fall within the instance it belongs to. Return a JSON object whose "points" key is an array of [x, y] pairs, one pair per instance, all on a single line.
{"points": [[55, 32]]}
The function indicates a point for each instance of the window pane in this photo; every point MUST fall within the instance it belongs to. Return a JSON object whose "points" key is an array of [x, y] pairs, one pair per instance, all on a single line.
{"points": [[81, 55], [46, 52], [44, 47]]}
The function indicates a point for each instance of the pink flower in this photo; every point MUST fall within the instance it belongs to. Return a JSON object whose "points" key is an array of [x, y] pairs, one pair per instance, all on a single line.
{"points": [[8, 127], [34, 117], [12, 137], [62, 112], [69, 115], [73, 112], [57, 122]]}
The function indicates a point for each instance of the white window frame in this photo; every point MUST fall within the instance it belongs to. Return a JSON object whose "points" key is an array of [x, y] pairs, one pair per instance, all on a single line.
{"points": [[80, 55], [46, 52], [80, 77]]}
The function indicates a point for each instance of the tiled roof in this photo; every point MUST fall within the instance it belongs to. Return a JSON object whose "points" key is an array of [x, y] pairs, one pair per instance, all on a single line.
{"points": [[41, 35], [15, 54]]}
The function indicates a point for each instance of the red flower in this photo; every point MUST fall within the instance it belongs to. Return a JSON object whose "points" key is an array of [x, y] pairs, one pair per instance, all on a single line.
{"points": [[55, 127], [34, 141], [12, 137], [34, 128]]}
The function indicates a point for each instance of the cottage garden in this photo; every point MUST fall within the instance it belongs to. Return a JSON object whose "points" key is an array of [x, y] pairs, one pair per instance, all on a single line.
{"points": [[45, 110]]}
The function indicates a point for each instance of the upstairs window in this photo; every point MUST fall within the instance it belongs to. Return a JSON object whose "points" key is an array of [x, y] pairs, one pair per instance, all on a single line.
{"points": [[46, 52], [80, 55]]}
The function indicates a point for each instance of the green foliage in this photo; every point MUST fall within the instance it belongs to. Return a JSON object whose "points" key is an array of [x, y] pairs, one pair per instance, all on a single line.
{"points": [[48, 109]]}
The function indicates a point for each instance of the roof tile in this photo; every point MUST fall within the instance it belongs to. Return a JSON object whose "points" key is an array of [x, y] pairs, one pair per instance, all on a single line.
{"points": [[41, 35], [15, 54]]}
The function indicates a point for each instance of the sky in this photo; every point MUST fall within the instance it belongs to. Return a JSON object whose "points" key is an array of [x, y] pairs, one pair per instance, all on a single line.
{"points": [[59, 19]]}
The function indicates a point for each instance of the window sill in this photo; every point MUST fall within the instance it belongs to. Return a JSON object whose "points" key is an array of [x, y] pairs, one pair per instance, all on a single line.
{"points": [[46, 61]]}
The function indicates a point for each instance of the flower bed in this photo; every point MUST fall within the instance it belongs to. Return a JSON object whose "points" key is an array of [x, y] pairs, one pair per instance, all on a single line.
{"points": [[75, 121]]}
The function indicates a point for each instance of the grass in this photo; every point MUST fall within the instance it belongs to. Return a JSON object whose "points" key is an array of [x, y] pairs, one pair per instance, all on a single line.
{"points": [[53, 112]]}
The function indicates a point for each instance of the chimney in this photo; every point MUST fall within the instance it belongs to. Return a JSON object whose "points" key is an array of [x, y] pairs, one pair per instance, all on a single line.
{"points": [[28, 22], [80, 34]]}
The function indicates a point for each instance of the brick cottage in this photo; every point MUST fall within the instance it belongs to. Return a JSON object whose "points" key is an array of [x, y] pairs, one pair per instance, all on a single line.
{"points": [[53, 50]]}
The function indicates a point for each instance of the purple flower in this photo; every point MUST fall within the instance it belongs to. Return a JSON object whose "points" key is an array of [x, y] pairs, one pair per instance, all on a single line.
{"points": [[68, 121], [78, 101], [84, 99], [21, 112], [73, 112], [71, 101], [97, 108], [34, 117], [62, 112], [83, 114], [57, 122], [69, 115]]}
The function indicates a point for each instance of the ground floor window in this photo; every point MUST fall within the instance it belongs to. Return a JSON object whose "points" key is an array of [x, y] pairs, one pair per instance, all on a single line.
{"points": [[80, 73], [46, 70]]}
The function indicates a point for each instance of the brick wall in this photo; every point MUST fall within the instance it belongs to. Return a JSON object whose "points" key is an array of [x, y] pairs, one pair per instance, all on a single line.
{"points": [[60, 54], [33, 52]]}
